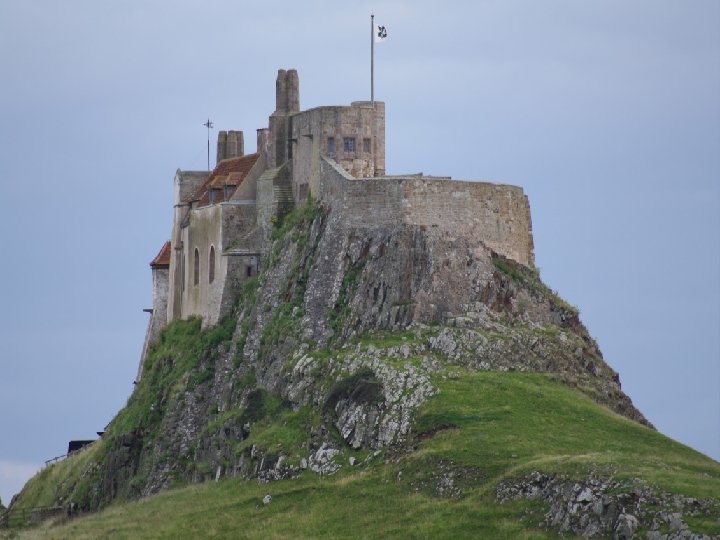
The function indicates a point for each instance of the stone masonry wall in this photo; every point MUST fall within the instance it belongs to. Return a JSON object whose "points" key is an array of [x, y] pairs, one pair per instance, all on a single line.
{"points": [[202, 232], [221, 226], [311, 130], [158, 317], [241, 246], [497, 215], [184, 183]]}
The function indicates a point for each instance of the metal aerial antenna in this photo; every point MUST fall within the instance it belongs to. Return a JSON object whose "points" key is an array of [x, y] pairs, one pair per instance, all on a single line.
{"points": [[208, 125]]}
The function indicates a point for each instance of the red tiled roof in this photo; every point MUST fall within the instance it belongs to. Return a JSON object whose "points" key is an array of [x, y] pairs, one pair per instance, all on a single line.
{"points": [[218, 182], [163, 257], [234, 179], [237, 167]]}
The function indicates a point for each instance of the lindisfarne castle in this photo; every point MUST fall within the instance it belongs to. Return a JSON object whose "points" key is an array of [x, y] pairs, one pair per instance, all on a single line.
{"points": [[324, 318], [223, 219]]}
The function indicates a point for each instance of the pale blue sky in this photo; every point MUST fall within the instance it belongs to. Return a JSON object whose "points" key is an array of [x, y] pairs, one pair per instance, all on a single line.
{"points": [[605, 112]]}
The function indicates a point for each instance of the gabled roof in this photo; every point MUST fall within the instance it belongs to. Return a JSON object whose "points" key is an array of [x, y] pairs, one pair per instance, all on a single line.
{"points": [[162, 259], [228, 172]]}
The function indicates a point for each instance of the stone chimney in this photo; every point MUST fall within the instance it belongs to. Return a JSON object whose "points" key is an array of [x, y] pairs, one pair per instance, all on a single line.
{"points": [[293, 91], [230, 144], [281, 103], [287, 91]]}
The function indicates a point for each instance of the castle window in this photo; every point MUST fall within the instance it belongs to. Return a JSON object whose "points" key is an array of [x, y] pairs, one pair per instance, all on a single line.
{"points": [[348, 144], [366, 145], [196, 268], [248, 270], [331, 145], [211, 265], [182, 273]]}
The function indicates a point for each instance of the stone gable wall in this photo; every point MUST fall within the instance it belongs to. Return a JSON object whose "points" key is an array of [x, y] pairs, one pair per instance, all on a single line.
{"points": [[223, 226]]}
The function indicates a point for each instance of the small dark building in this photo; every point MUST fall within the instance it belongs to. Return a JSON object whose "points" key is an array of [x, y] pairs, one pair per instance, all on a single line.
{"points": [[73, 446]]}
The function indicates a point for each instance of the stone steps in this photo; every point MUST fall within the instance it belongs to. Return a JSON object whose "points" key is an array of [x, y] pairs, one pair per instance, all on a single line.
{"points": [[284, 198]]}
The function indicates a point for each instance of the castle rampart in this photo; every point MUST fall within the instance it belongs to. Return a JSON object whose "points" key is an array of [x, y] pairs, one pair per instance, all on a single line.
{"points": [[497, 215]]}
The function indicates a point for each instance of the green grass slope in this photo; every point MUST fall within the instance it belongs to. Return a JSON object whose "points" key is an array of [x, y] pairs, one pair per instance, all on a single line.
{"points": [[480, 429]]}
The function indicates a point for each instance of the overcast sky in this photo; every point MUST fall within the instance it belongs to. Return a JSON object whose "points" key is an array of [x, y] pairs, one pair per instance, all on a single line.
{"points": [[605, 111]]}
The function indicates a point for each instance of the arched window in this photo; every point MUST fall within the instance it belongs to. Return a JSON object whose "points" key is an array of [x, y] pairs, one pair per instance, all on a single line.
{"points": [[196, 274], [211, 265]]}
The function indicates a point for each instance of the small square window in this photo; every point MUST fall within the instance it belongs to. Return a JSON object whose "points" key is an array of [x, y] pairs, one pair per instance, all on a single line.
{"points": [[366, 145], [348, 144], [331, 145]]}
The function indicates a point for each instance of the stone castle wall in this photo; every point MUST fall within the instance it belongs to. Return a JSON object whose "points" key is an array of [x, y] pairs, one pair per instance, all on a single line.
{"points": [[497, 215], [217, 228], [158, 317], [203, 233], [184, 184]]}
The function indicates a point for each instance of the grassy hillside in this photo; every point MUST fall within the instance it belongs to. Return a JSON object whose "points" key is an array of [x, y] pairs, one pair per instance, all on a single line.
{"points": [[480, 429]]}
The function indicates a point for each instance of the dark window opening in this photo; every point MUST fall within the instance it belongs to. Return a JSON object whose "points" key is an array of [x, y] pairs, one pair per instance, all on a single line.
{"points": [[196, 268], [348, 144], [366, 145], [248, 271], [182, 273], [211, 265], [331, 145]]}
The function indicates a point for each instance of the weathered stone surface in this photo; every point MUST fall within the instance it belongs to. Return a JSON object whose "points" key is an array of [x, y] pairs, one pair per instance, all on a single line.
{"points": [[625, 527], [322, 461], [599, 506]]}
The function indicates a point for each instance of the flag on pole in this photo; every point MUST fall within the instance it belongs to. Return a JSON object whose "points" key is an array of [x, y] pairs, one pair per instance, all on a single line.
{"points": [[380, 34]]}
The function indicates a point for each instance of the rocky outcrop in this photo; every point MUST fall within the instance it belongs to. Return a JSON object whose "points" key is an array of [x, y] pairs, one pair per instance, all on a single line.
{"points": [[601, 506]]}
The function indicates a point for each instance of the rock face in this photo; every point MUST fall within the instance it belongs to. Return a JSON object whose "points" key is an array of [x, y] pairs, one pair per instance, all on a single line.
{"points": [[603, 506], [297, 349]]}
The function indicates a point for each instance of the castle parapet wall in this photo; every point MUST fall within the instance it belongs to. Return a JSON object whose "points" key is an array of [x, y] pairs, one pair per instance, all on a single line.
{"points": [[497, 215]]}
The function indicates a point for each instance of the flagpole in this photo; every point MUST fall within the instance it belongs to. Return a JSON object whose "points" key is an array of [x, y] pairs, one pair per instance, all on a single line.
{"points": [[372, 59]]}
